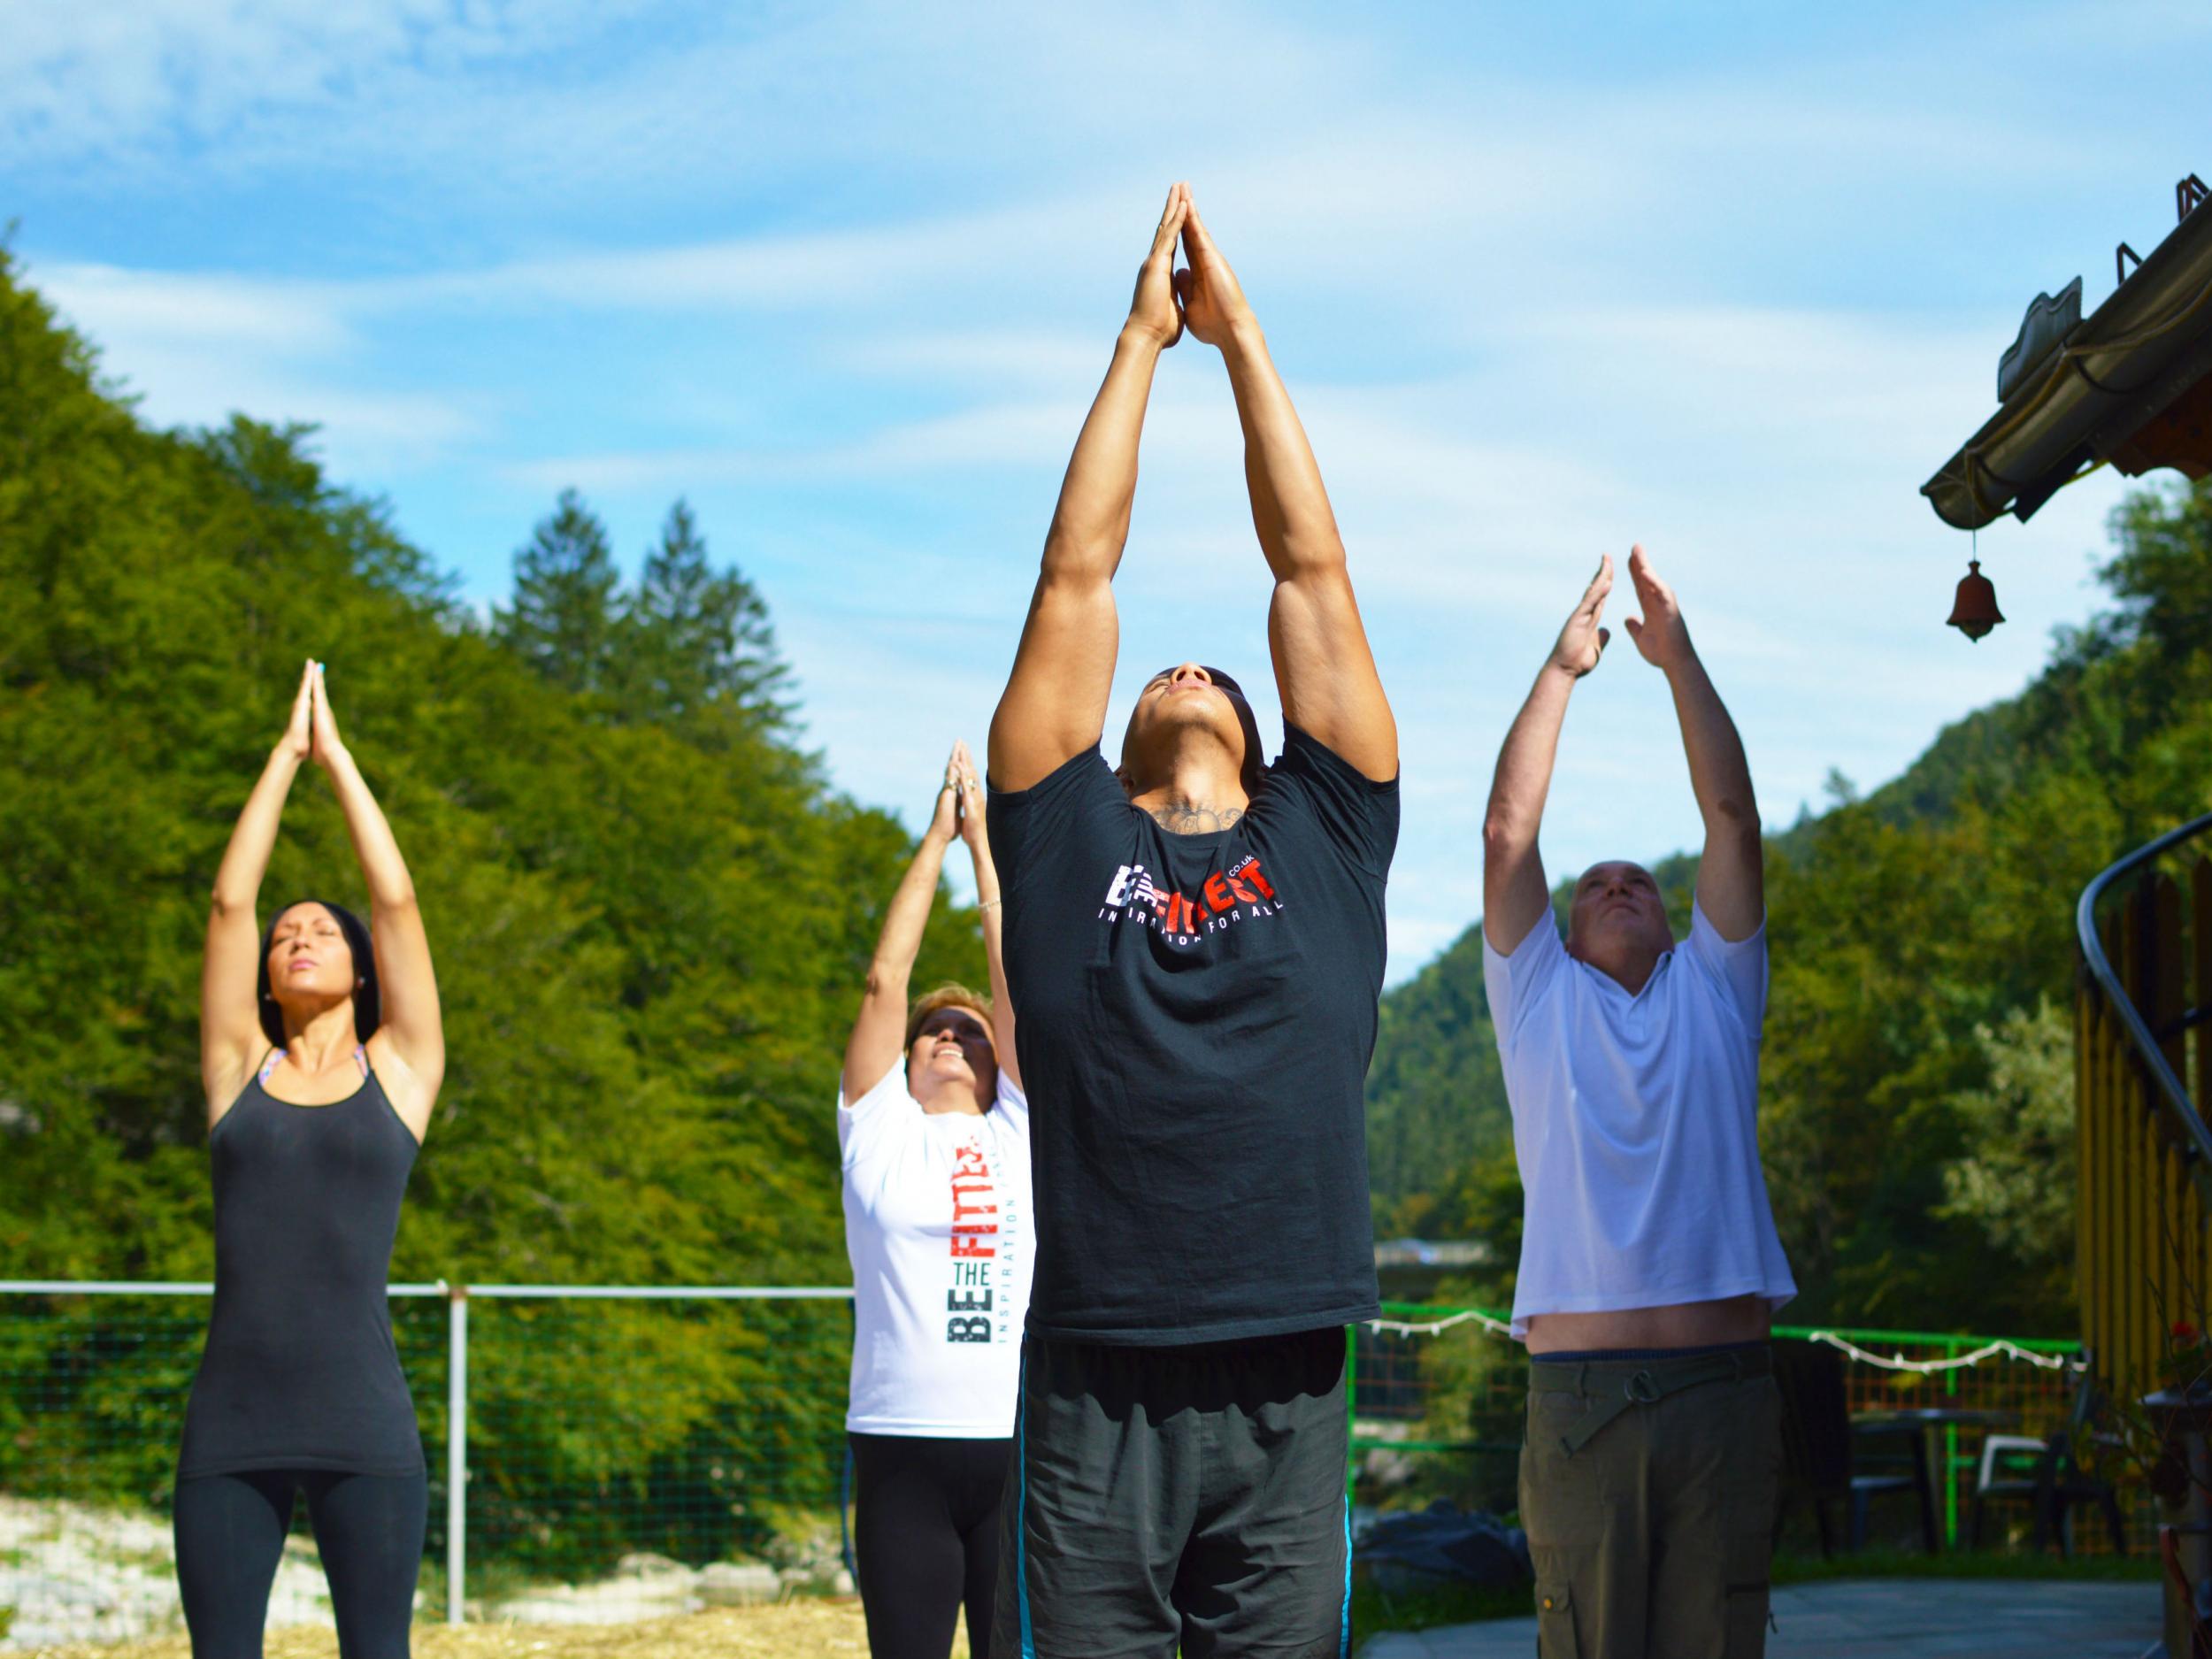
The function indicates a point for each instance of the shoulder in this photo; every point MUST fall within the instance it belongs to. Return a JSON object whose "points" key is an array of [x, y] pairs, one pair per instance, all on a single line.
{"points": [[411, 1095], [1079, 802], [1735, 970], [1537, 968], [1083, 776], [865, 1124], [1357, 813]]}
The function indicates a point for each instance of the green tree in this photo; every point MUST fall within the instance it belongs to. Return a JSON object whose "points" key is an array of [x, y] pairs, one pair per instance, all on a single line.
{"points": [[562, 621]]}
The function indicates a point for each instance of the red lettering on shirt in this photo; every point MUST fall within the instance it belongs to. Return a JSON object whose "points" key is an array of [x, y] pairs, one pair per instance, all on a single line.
{"points": [[972, 1188]]}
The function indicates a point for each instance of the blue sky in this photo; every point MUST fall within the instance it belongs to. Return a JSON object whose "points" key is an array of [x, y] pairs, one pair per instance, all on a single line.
{"points": [[1732, 280]]}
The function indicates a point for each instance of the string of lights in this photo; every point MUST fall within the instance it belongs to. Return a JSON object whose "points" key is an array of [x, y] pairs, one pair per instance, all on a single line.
{"points": [[1998, 1349]]}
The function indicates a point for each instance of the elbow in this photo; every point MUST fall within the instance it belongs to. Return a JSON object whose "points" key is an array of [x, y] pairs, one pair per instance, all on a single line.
{"points": [[224, 906], [1734, 818], [1504, 836], [1074, 559], [887, 982]]}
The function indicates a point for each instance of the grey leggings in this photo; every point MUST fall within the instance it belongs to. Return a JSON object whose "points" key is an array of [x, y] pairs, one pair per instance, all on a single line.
{"points": [[230, 1532]]}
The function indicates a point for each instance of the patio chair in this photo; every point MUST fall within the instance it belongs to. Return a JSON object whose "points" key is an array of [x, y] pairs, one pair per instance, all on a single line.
{"points": [[2044, 1474], [1827, 1456]]}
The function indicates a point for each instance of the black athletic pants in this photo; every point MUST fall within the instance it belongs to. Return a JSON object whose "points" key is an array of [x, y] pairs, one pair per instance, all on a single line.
{"points": [[230, 1534], [926, 1527]]}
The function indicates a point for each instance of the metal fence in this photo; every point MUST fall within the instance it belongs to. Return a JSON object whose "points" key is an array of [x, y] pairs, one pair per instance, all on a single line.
{"points": [[601, 1454], [1437, 1412], [597, 1454]]}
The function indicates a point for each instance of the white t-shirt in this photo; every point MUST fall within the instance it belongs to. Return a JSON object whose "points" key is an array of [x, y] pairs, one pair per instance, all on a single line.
{"points": [[1635, 1124], [937, 1226]]}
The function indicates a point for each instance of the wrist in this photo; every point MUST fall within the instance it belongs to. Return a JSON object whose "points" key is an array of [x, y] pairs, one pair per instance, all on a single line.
{"points": [[1244, 339], [1142, 338]]}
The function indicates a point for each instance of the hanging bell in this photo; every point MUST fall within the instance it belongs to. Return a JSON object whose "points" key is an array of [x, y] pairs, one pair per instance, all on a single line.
{"points": [[1975, 611]]}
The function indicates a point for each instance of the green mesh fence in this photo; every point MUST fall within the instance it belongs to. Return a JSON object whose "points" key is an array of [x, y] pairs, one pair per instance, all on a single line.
{"points": [[1438, 1414], [659, 1454], [627, 1457]]}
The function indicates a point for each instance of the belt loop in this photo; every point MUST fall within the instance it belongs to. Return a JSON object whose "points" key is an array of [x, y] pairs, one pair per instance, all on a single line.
{"points": [[1735, 1355], [1582, 1377]]}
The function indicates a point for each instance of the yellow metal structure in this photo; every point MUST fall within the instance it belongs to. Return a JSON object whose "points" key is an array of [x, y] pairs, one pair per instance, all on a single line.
{"points": [[2144, 1087]]}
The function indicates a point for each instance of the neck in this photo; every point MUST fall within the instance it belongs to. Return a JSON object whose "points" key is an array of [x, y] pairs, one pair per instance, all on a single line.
{"points": [[1199, 793], [326, 1039], [949, 1095], [1628, 966]]}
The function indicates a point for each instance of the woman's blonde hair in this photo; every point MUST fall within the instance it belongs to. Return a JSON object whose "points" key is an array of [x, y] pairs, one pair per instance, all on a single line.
{"points": [[947, 996]]}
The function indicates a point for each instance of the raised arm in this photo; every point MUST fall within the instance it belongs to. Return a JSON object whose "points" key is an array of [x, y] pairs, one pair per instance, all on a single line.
{"points": [[1731, 871], [409, 1045], [878, 1034], [1514, 896], [1055, 703], [986, 894], [1324, 669], [231, 1038]]}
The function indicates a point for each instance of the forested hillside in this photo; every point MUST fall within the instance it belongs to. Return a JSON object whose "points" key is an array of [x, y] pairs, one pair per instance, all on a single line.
{"points": [[1917, 1114], [651, 917]]}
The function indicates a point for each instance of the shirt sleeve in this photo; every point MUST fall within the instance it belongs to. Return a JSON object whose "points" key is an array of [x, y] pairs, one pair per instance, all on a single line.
{"points": [[1516, 982], [1357, 815], [1012, 1105], [1041, 825], [1738, 969], [874, 1124]]}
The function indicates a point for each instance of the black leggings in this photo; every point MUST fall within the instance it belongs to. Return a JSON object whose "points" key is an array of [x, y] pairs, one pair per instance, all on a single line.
{"points": [[230, 1536], [925, 1526]]}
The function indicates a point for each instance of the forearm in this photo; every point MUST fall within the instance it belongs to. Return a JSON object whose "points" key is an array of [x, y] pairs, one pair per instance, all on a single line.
{"points": [[992, 916], [1719, 772], [1523, 779], [246, 859], [1290, 506], [375, 848], [1091, 521], [903, 922]]}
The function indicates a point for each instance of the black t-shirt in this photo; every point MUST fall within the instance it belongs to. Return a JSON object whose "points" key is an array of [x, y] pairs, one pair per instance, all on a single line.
{"points": [[1197, 1014]]}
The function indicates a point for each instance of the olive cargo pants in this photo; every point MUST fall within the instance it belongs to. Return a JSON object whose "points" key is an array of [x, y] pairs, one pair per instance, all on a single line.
{"points": [[1648, 1487]]}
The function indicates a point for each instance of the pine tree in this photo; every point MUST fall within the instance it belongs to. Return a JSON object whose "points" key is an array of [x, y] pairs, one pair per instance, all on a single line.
{"points": [[699, 639], [565, 622]]}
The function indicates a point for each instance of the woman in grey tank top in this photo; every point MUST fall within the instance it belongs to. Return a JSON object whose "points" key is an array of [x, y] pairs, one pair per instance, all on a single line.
{"points": [[321, 1051]]}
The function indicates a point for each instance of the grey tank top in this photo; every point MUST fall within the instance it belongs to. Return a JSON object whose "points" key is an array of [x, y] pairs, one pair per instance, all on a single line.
{"points": [[300, 1370]]}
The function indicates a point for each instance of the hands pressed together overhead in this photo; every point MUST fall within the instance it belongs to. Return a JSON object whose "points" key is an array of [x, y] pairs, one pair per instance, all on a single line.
{"points": [[1203, 296], [959, 813], [311, 733]]}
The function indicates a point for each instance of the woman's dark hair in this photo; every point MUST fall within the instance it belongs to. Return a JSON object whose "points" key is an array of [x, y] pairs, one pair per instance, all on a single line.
{"points": [[368, 1007]]}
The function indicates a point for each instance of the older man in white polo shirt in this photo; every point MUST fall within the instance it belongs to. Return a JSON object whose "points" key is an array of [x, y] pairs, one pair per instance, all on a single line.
{"points": [[1650, 1267]]}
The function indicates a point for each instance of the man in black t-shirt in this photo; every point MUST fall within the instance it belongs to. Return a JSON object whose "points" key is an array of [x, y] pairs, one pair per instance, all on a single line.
{"points": [[1194, 942]]}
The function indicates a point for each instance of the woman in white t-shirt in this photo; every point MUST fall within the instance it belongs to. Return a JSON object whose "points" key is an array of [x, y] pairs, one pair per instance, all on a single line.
{"points": [[934, 1132]]}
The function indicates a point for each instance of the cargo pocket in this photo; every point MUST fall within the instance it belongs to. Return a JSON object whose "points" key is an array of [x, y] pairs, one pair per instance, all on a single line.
{"points": [[1555, 1637], [1746, 1629]]}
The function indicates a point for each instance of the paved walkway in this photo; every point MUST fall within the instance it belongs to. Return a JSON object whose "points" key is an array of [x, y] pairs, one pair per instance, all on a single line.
{"points": [[1891, 1619]]}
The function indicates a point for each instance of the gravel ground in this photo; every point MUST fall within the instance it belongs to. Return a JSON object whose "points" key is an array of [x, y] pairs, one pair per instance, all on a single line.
{"points": [[810, 1629]]}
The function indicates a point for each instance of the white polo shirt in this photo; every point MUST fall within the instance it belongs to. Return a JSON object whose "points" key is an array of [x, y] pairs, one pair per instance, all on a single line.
{"points": [[1635, 1124], [937, 1226]]}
